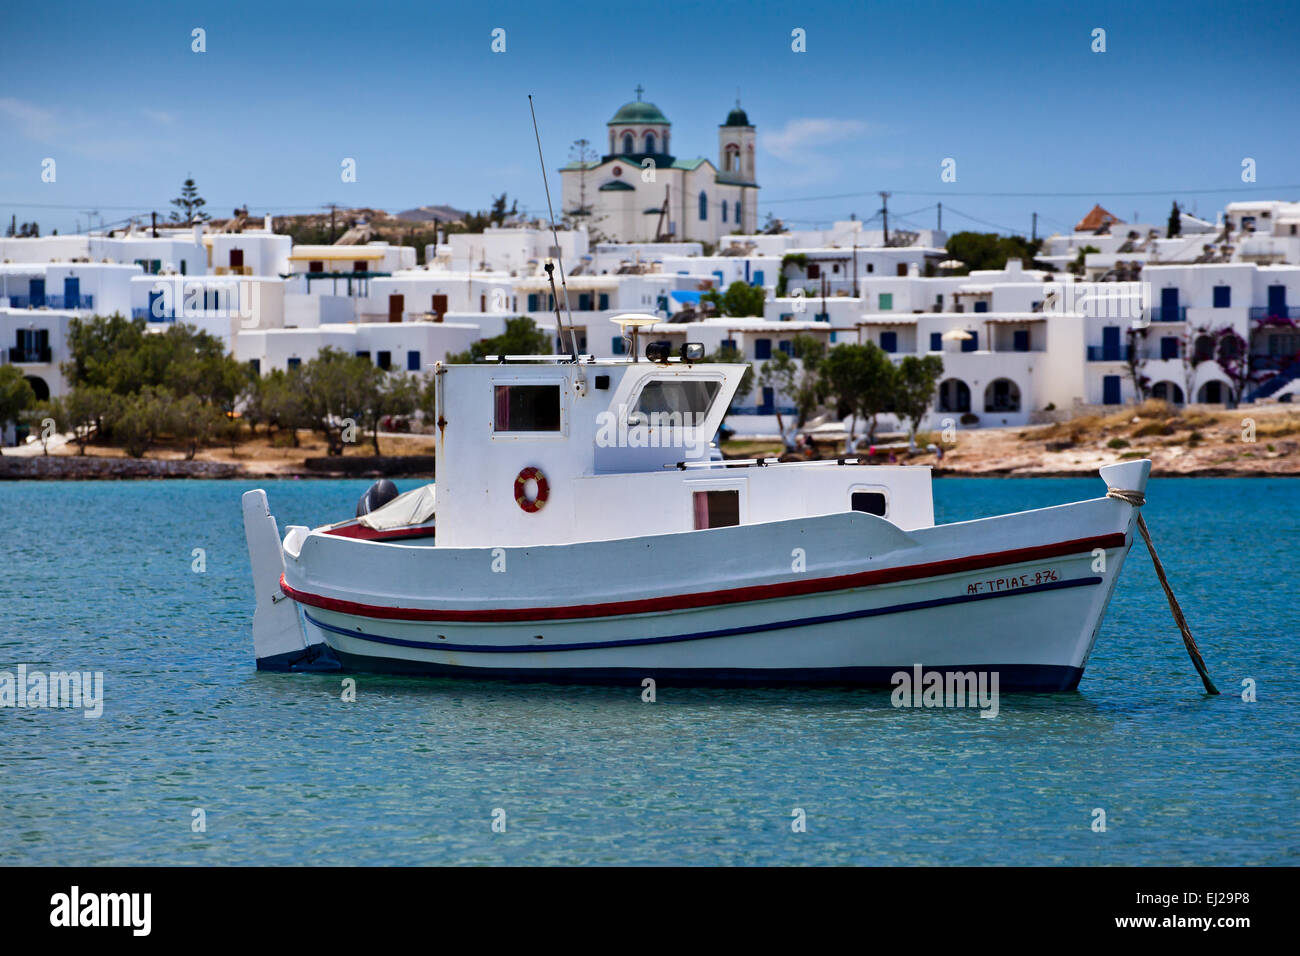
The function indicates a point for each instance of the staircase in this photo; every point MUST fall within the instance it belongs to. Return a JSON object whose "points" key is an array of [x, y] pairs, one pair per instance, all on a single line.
{"points": [[1272, 385]]}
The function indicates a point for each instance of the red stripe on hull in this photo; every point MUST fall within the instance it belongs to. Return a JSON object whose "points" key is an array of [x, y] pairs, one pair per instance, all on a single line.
{"points": [[362, 533], [760, 592]]}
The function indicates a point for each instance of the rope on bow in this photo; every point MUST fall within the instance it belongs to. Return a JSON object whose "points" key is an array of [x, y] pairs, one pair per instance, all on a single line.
{"points": [[1137, 499]]}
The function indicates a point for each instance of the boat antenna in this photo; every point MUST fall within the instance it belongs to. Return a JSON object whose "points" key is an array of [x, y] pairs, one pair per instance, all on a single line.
{"points": [[550, 269]]}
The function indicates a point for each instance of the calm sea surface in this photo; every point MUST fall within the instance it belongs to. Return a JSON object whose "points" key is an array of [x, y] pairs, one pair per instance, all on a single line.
{"points": [[98, 577]]}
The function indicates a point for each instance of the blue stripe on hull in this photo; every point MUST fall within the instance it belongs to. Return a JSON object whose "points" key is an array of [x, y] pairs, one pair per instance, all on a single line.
{"points": [[1011, 677], [698, 635], [317, 657]]}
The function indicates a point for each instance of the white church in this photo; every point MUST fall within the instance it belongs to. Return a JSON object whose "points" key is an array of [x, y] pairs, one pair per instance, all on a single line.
{"points": [[640, 192]]}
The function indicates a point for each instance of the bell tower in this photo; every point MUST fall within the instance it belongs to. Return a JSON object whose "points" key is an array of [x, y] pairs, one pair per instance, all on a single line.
{"points": [[736, 148]]}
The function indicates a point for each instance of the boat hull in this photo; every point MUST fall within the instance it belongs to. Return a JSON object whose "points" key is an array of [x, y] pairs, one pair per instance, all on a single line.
{"points": [[879, 601]]}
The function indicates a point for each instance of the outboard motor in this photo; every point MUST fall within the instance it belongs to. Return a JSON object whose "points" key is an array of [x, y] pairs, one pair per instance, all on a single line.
{"points": [[377, 495]]}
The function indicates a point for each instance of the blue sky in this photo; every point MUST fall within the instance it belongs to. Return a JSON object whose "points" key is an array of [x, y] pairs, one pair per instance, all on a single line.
{"points": [[884, 93]]}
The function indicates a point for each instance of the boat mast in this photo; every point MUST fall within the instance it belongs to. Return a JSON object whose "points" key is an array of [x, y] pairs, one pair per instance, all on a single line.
{"points": [[550, 272]]}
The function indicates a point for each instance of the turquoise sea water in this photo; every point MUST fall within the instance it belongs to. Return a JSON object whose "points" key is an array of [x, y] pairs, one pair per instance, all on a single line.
{"points": [[98, 577]]}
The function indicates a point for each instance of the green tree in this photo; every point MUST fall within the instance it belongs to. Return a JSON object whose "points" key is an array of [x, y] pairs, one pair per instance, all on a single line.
{"points": [[1175, 226], [1078, 265], [988, 250], [730, 355], [189, 205], [339, 389], [392, 393], [862, 379], [84, 409], [918, 378], [740, 299], [521, 337], [779, 374], [809, 388], [16, 396]]}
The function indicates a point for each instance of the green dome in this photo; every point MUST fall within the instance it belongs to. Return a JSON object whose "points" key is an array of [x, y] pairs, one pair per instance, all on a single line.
{"points": [[637, 112], [737, 117]]}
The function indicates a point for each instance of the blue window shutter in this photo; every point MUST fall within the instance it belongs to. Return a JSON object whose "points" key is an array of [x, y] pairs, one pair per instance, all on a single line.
{"points": [[704, 205], [758, 277], [728, 343], [619, 345], [785, 346], [412, 361], [936, 341], [604, 300], [532, 302], [889, 341], [971, 344], [1020, 338], [981, 306], [1110, 390], [724, 210], [1169, 347], [762, 348], [1222, 296]]}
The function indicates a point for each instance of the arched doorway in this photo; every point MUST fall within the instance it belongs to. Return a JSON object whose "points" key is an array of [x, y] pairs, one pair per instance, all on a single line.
{"points": [[39, 387], [1002, 395], [1212, 393], [954, 396], [1168, 391]]}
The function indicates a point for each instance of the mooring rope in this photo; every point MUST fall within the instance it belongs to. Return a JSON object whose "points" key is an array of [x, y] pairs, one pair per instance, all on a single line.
{"points": [[1137, 499]]}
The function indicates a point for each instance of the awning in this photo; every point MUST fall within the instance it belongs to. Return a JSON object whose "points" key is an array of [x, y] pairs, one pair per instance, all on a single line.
{"points": [[348, 256]]}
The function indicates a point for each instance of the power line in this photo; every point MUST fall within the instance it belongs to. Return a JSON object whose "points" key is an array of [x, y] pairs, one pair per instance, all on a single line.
{"points": [[1089, 193]]}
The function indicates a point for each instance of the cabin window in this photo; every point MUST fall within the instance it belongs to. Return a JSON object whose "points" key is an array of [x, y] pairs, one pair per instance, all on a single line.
{"points": [[681, 396], [527, 408], [872, 502], [716, 509]]}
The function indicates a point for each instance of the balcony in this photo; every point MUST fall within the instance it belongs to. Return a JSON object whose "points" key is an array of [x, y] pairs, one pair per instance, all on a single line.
{"points": [[70, 301], [1100, 353], [1169, 315], [1263, 313], [147, 314], [29, 356]]}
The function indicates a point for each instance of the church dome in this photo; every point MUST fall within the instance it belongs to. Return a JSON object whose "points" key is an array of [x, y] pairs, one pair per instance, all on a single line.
{"points": [[737, 117], [637, 112]]}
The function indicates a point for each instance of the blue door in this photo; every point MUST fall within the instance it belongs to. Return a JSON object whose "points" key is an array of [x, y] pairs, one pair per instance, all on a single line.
{"points": [[1169, 305], [769, 401], [1110, 343], [758, 277], [971, 344], [1277, 300], [157, 306], [1020, 340], [1110, 390], [889, 341], [71, 292], [37, 291]]}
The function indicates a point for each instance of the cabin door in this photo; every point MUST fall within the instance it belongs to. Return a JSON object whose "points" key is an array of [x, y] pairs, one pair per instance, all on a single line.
{"points": [[396, 306]]}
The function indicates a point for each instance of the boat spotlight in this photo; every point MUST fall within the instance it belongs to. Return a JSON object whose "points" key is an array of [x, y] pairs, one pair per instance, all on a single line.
{"points": [[693, 352], [658, 352]]}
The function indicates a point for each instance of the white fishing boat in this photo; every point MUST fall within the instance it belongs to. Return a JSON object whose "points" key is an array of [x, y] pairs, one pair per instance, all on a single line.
{"points": [[584, 533]]}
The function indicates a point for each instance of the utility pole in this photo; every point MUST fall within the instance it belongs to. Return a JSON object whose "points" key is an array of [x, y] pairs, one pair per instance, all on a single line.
{"points": [[1033, 235], [332, 207], [884, 211], [153, 223], [940, 217], [855, 268]]}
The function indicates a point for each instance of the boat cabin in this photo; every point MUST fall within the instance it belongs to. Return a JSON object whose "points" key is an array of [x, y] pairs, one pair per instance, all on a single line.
{"points": [[544, 450]]}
